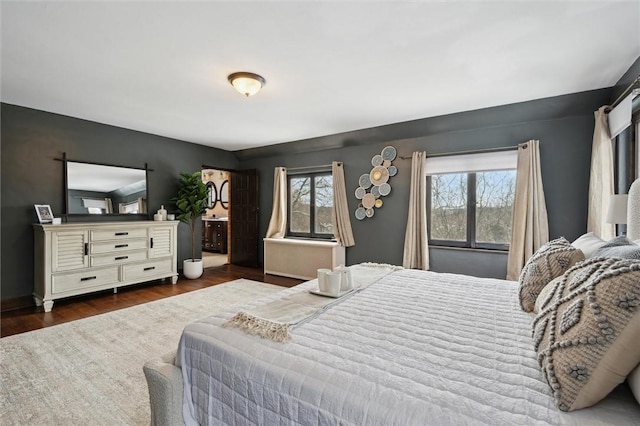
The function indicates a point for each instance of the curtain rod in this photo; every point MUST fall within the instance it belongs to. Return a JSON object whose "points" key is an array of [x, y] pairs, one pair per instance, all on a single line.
{"points": [[310, 167], [624, 93], [473, 151]]}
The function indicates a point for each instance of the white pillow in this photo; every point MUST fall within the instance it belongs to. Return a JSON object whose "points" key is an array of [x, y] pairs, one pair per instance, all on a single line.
{"points": [[588, 243], [634, 382]]}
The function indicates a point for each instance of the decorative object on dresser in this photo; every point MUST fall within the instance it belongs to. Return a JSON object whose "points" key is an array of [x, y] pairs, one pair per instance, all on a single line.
{"points": [[44, 213], [214, 235], [191, 203], [79, 258]]}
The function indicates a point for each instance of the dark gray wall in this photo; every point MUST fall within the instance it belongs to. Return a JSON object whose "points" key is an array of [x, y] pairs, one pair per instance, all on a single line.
{"points": [[31, 140], [564, 126]]}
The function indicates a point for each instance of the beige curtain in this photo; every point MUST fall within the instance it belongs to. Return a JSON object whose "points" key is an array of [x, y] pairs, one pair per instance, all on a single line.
{"points": [[529, 225], [416, 249], [601, 184], [278, 223], [340, 215]]}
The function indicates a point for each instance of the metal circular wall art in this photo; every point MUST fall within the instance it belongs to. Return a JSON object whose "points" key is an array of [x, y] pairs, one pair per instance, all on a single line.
{"points": [[375, 184]]}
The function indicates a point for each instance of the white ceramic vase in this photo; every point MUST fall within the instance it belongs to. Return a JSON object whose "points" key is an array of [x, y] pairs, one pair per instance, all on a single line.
{"points": [[192, 269]]}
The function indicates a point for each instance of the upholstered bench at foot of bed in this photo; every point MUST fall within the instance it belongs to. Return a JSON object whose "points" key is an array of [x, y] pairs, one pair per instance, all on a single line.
{"points": [[164, 380]]}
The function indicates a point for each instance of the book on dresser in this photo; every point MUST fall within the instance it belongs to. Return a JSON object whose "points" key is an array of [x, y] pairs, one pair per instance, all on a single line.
{"points": [[78, 258]]}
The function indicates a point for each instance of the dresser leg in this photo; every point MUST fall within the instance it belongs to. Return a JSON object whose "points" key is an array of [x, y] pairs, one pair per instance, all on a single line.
{"points": [[174, 279], [37, 300], [48, 305], [115, 290]]}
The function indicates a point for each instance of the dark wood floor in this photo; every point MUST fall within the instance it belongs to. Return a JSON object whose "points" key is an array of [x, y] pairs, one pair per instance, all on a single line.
{"points": [[73, 308]]}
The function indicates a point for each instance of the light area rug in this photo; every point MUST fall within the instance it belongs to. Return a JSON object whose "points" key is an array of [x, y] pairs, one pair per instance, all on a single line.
{"points": [[89, 371]]}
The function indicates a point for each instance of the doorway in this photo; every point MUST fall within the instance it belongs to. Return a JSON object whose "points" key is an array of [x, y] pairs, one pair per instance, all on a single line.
{"points": [[230, 225], [216, 222]]}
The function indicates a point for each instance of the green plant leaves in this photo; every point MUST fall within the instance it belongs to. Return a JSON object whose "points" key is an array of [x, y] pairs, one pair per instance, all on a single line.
{"points": [[191, 202]]}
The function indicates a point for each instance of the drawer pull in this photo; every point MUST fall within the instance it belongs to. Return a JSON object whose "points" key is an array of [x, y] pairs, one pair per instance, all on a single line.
{"points": [[151, 242], [122, 245], [122, 233], [88, 278], [121, 257], [149, 268], [86, 249]]}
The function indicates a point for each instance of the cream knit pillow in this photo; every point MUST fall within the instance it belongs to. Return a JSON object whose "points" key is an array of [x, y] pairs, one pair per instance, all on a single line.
{"points": [[587, 332], [549, 262]]}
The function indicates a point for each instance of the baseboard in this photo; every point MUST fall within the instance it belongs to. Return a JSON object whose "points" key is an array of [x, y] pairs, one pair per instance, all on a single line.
{"points": [[17, 303]]}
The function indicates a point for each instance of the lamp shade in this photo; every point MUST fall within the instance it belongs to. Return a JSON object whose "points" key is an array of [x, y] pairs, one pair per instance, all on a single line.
{"points": [[246, 83], [617, 212]]}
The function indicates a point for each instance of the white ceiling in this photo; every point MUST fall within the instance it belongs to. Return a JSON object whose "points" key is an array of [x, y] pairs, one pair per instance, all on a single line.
{"points": [[161, 67]]}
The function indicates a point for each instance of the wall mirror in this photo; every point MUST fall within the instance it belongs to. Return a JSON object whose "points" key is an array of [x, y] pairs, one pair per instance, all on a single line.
{"points": [[217, 182], [212, 195], [104, 189], [224, 195]]}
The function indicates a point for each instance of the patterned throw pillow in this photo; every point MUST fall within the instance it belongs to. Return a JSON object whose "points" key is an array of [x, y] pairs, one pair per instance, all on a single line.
{"points": [[587, 332], [546, 295], [549, 262], [619, 247]]}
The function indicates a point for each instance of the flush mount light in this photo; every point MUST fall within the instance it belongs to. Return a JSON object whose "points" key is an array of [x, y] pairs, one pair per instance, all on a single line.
{"points": [[246, 83]]}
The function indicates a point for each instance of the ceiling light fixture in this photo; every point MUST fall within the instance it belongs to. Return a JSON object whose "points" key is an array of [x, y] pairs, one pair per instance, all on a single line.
{"points": [[246, 83]]}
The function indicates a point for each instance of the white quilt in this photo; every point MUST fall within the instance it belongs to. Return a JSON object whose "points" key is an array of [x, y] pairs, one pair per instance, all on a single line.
{"points": [[414, 348]]}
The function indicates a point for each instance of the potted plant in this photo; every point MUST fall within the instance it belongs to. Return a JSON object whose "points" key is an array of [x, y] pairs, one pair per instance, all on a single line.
{"points": [[190, 206]]}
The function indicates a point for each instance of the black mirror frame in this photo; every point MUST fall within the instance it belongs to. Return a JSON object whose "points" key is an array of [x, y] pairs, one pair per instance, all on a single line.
{"points": [[224, 203], [212, 195]]}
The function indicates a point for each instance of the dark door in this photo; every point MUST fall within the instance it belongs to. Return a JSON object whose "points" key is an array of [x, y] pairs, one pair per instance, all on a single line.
{"points": [[244, 217]]}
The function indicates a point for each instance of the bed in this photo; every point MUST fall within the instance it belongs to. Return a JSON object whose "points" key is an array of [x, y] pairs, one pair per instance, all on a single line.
{"points": [[455, 351], [413, 347]]}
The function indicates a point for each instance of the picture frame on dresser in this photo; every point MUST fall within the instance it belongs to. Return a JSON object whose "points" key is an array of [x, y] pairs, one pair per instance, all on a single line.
{"points": [[44, 213]]}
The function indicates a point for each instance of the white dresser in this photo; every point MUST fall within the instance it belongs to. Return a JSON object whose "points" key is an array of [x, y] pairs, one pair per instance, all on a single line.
{"points": [[78, 258]]}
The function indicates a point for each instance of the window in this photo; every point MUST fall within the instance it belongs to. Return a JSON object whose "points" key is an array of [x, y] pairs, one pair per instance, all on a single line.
{"points": [[471, 208], [129, 208], [310, 205], [95, 206]]}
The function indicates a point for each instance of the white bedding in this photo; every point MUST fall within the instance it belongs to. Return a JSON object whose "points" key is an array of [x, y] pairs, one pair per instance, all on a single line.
{"points": [[414, 348]]}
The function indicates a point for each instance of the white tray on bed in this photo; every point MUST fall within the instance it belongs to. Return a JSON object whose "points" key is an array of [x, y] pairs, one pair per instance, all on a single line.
{"points": [[325, 294]]}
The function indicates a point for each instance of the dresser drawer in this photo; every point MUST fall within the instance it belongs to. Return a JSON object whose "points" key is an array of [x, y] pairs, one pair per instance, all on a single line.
{"points": [[118, 258], [147, 269], [61, 283], [117, 234], [118, 246]]}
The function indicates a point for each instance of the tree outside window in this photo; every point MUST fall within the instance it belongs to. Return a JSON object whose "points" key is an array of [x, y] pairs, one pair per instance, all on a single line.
{"points": [[471, 209], [311, 205]]}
